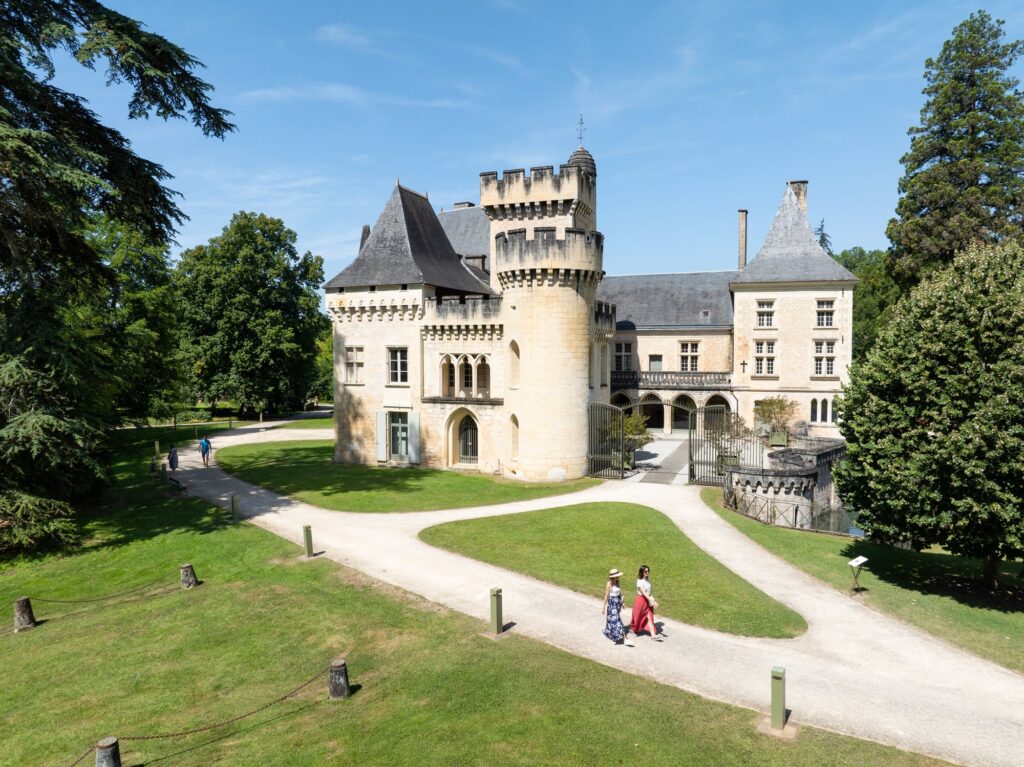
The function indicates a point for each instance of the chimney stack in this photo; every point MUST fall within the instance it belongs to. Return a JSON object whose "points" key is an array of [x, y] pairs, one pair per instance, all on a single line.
{"points": [[800, 190], [365, 237], [743, 238]]}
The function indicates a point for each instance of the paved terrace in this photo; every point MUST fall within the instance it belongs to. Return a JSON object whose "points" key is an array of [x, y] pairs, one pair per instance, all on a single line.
{"points": [[855, 671]]}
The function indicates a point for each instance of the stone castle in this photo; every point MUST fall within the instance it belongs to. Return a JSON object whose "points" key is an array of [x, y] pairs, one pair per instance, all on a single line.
{"points": [[477, 338]]}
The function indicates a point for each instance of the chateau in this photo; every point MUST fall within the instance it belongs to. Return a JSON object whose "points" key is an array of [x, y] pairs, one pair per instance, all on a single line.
{"points": [[477, 338]]}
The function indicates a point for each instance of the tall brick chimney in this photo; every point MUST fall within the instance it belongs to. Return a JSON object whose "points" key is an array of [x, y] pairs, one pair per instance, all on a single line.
{"points": [[800, 190], [743, 238]]}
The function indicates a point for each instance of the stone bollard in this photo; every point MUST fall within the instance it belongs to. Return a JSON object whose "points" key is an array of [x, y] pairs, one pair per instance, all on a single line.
{"points": [[188, 577], [108, 753], [236, 510], [778, 698], [497, 625], [156, 448], [307, 537], [337, 680], [23, 617]]}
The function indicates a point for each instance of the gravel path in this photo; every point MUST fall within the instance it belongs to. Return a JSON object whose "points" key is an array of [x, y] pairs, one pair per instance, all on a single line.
{"points": [[855, 671]]}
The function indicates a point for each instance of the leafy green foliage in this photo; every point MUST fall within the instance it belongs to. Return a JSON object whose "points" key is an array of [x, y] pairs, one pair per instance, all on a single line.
{"points": [[635, 435], [322, 388], [874, 295], [964, 173], [777, 412], [934, 417], [250, 309]]}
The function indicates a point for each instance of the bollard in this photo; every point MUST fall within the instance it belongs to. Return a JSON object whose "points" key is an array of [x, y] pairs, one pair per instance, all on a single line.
{"points": [[236, 511], [156, 448], [108, 753], [496, 622], [337, 680], [23, 617], [188, 577], [231, 422], [778, 698], [307, 536]]}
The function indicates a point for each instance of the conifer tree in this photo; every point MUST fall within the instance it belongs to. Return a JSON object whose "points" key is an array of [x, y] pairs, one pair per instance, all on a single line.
{"points": [[964, 173]]}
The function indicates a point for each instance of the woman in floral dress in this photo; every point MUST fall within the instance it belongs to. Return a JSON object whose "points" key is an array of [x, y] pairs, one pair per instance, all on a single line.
{"points": [[613, 627]]}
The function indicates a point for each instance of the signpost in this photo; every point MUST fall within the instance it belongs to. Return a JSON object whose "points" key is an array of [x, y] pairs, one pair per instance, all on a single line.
{"points": [[855, 565]]}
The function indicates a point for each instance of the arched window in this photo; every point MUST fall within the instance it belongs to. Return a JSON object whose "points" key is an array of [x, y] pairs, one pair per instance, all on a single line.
{"points": [[814, 410], [513, 437], [513, 364], [447, 377], [469, 449], [483, 378], [465, 378], [824, 411], [833, 411]]}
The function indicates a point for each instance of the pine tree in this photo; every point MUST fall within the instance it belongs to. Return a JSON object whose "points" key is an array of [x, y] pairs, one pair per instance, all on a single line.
{"points": [[964, 173]]}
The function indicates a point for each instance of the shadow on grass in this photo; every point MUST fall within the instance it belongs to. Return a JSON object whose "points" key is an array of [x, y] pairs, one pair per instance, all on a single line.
{"points": [[941, 574]]}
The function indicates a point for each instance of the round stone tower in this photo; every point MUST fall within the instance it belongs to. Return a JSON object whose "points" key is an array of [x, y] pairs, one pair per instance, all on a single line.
{"points": [[546, 262]]}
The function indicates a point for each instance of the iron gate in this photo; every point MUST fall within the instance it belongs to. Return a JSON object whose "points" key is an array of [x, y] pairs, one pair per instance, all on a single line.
{"points": [[720, 439], [606, 448]]}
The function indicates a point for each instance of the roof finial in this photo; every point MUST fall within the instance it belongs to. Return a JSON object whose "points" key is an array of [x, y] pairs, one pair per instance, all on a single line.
{"points": [[580, 129]]}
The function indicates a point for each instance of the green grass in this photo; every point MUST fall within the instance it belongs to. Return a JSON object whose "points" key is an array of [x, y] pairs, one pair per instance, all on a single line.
{"points": [[432, 690], [575, 546], [309, 423], [304, 470], [935, 591]]}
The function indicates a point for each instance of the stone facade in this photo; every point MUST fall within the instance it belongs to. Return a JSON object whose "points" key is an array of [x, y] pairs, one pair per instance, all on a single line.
{"points": [[486, 358]]}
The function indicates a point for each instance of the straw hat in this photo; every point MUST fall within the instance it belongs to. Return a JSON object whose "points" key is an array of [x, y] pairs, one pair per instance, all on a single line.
{"points": [[614, 573]]}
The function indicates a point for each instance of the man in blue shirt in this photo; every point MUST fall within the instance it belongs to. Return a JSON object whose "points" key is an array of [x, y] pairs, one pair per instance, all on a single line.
{"points": [[204, 450]]}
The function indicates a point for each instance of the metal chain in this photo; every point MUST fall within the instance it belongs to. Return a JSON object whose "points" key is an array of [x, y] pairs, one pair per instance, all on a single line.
{"points": [[107, 596], [84, 754]]}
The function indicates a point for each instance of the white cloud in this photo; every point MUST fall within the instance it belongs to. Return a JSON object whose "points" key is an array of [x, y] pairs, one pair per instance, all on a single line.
{"points": [[344, 35], [340, 93]]}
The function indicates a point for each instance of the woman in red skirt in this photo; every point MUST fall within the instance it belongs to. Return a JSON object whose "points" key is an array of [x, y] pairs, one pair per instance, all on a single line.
{"points": [[644, 605]]}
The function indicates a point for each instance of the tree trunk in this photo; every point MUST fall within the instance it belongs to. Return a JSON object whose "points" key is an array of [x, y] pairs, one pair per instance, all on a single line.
{"points": [[23, 617], [990, 572]]}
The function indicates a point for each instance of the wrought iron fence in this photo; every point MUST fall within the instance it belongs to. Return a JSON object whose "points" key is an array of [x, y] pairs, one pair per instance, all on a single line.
{"points": [[606, 448], [800, 514], [718, 440]]}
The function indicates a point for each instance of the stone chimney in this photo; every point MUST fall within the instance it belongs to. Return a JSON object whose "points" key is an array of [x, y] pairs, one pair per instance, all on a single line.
{"points": [[365, 237], [800, 190], [743, 238]]}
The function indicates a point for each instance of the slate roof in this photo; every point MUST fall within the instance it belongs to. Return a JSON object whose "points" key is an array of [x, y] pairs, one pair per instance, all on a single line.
{"points": [[584, 160], [790, 252], [670, 300], [408, 245], [468, 230]]}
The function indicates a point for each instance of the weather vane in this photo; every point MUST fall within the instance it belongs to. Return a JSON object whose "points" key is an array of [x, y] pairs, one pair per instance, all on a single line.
{"points": [[580, 130]]}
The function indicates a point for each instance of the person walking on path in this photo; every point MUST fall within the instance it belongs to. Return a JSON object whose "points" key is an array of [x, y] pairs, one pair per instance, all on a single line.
{"points": [[172, 458], [644, 605], [611, 609], [204, 450]]}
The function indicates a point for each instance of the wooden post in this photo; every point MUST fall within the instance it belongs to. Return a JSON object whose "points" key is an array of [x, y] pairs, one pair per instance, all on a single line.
{"points": [[188, 577], [236, 511], [497, 625], [108, 753], [230, 422], [23, 617], [337, 680], [307, 536]]}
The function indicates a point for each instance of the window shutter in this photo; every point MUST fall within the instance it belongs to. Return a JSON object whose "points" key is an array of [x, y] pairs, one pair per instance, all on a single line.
{"points": [[382, 436], [414, 438]]}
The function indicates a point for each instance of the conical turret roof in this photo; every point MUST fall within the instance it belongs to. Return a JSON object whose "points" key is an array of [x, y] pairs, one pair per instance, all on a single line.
{"points": [[583, 160], [791, 252]]}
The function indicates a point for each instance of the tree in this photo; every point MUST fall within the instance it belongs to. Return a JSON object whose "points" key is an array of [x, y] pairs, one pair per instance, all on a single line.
{"points": [[635, 434], [874, 296], [322, 388], [934, 418], [823, 239], [60, 167], [777, 412], [250, 309], [964, 173]]}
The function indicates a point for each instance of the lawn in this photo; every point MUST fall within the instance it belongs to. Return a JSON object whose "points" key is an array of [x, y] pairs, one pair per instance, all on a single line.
{"points": [[575, 546], [432, 690], [304, 470], [309, 423], [935, 591]]}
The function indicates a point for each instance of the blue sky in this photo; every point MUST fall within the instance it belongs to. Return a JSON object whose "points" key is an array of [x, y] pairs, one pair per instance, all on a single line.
{"points": [[692, 111]]}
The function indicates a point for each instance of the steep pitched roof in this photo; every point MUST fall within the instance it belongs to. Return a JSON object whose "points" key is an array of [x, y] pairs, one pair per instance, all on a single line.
{"points": [[408, 245], [791, 252], [694, 299], [468, 230]]}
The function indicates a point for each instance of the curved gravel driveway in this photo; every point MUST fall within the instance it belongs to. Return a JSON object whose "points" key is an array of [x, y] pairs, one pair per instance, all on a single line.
{"points": [[855, 671]]}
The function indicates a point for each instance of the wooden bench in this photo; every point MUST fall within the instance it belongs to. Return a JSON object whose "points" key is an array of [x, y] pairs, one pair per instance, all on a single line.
{"points": [[176, 485]]}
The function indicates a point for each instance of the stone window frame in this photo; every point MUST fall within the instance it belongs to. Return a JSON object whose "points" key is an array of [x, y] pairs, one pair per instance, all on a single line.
{"points": [[354, 365], [765, 312], [826, 313], [651, 358], [764, 357], [623, 356], [824, 357], [398, 365], [688, 354]]}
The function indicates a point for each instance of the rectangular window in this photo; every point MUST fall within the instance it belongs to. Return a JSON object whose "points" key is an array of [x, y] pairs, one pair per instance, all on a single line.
{"points": [[354, 364], [826, 314], [398, 365], [399, 435], [623, 356], [654, 362], [824, 358], [451, 376], [764, 358], [467, 376], [688, 356], [766, 314]]}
